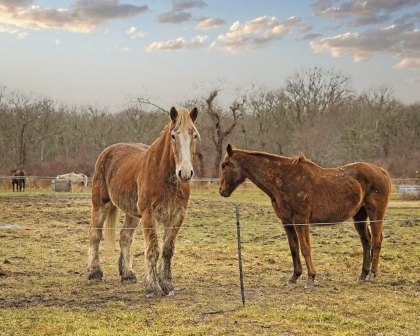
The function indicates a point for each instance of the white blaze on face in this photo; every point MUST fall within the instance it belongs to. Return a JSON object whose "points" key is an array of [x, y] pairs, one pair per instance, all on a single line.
{"points": [[182, 142]]}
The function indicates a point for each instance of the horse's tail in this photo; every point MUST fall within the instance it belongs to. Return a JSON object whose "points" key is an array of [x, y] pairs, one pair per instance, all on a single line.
{"points": [[110, 227]]}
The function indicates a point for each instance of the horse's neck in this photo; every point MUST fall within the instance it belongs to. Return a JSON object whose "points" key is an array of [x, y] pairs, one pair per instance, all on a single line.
{"points": [[161, 156], [261, 169]]}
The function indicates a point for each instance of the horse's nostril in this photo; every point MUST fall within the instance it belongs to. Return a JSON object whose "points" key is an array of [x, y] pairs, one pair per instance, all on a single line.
{"points": [[179, 173], [192, 173]]}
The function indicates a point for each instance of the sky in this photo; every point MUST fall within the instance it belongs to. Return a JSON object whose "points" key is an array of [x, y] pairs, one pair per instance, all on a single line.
{"points": [[107, 53]]}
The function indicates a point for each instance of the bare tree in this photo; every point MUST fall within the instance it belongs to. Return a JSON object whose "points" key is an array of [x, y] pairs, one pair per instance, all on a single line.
{"points": [[25, 113], [222, 126], [314, 91]]}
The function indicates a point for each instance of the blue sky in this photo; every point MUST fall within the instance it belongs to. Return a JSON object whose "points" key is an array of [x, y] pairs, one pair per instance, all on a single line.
{"points": [[105, 52]]}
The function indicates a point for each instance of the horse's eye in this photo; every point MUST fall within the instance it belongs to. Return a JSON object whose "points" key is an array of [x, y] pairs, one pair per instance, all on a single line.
{"points": [[195, 136], [173, 136]]}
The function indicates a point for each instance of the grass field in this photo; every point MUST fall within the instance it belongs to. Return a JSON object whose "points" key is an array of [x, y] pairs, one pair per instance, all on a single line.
{"points": [[44, 291]]}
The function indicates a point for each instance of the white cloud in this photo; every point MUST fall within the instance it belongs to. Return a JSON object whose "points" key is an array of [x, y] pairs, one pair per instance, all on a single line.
{"points": [[197, 42], [126, 49], [134, 33], [170, 45], [257, 33], [409, 63], [401, 41], [209, 23], [57, 41], [21, 36], [8, 29], [178, 44]]}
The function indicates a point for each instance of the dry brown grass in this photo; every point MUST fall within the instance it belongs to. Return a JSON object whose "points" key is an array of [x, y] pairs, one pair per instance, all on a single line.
{"points": [[44, 291]]}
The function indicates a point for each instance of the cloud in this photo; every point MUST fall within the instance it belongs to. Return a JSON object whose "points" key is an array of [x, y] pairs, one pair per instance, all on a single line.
{"points": [[312, 36], [209, 23], [257, 33], [177, 44], [173, 17], [177, 14], [126, 49], [180, 5], [403, 41], [21, 36], [360, 7], [82, 16], [9, 29], [135, 34], [170, 45], [57, 41], [409, 63], [413, 81], [197, 42], [364, 12]]}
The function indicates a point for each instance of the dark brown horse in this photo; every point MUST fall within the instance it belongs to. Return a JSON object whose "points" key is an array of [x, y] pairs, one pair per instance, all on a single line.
{"points": [[151, 183], [19, 179], [303, 193]]}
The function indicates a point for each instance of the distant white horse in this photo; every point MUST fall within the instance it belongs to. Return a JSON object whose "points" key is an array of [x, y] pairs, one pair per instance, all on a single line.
{"points": [[80, 179]]}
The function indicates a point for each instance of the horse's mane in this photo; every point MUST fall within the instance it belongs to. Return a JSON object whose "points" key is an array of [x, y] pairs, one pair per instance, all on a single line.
{"points": [[300, 158]]}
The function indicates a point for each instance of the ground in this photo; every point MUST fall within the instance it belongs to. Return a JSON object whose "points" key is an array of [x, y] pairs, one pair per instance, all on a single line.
{"points": [[43, 274]]}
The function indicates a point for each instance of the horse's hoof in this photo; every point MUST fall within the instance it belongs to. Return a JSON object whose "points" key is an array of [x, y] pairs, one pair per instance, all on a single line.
{"points": [[370, 277], [130, 278], [96, 275], [291, 282], [167, 287], [309, 285], [153, 292]]}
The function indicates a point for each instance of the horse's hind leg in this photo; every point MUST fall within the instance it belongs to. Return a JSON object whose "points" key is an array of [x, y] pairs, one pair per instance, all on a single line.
{"points": [[126, 239], [151, 254], [98, 216], [376, 227], [365, 238]]}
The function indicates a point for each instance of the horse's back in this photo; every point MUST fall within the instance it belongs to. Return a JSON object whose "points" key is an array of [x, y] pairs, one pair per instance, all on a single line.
{"points": [[115, 173]]}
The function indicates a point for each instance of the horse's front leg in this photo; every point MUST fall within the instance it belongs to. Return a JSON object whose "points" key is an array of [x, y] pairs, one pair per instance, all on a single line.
{"points": [[170, 232], [294, 250], [151, 254], [126, 239], [303, 233]]}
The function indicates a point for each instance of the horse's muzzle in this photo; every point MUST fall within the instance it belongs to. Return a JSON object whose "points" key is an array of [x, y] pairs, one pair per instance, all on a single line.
{"points": [[224, 193], [185, 177]]}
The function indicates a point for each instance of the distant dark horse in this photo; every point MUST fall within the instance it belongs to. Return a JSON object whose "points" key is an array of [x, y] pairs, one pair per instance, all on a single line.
{"points": [[303, 193], [19, 179]]}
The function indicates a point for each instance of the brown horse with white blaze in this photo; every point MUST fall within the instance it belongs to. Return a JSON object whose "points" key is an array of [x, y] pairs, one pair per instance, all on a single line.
{"points": [[303, 193], [150, 183]]}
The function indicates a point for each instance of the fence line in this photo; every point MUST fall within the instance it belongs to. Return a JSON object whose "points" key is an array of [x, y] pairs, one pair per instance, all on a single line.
{"points": [[12, 226]]}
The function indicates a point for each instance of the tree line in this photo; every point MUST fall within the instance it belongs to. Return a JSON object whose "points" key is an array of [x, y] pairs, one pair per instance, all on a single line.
{"points": [[315, 112]]}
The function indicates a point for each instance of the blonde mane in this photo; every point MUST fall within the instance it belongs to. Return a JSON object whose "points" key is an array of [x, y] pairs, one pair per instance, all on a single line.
{"points": [[184, 122]]}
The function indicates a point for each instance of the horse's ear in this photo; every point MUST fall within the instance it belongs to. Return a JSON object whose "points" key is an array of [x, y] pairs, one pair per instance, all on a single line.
{"points": [[173, 113], [193, 114], [229, 149]]}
